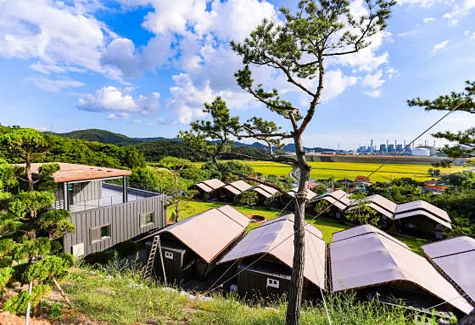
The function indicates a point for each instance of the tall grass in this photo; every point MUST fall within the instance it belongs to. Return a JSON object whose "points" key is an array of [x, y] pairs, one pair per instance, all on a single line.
{"points": [[117, 294]]}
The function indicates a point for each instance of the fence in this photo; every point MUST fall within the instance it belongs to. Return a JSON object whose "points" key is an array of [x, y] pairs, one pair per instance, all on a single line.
{"points": [[111, 195]]}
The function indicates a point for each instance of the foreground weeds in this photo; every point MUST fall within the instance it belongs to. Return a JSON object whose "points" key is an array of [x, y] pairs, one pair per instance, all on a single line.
{"points": [[118, 295]]}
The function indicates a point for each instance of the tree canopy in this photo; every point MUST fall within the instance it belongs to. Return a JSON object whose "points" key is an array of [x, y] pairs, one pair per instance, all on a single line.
{"points": [[455, 101]]}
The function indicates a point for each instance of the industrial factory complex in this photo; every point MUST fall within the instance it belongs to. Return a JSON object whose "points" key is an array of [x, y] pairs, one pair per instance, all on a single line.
{"points": [[398, 149]]}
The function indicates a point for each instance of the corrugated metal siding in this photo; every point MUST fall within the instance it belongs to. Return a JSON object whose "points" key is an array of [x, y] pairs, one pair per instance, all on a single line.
{"points": [[87, 191], [124, 219]]}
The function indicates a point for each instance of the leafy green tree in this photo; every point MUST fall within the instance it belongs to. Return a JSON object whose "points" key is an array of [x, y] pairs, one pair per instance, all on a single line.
{"points": [[23, 218], [249, 198], [298, 49], [361, 212], [321, 207], [146, 178], [27, 145], [455, 101]]}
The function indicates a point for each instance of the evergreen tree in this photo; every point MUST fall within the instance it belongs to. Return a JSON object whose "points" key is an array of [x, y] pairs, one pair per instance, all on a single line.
{"points": [[298, 49], [456, 101], [27, 255]]}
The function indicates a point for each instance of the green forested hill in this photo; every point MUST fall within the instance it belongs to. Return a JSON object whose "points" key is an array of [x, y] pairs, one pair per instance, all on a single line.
{"points": [[99, 136], [79, 151], [154, 148]]}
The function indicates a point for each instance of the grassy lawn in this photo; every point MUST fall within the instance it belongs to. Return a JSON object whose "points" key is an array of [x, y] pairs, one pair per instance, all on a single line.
{"points": [[342, 170], [327, 226], [113, 295]]}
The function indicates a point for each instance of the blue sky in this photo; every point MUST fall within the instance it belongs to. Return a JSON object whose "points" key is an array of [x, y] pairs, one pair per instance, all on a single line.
{"points": [[144, 68]]}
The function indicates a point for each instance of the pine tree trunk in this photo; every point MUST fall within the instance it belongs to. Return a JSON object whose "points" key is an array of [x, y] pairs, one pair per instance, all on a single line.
{"points": [[29, 176], [296, 282]]}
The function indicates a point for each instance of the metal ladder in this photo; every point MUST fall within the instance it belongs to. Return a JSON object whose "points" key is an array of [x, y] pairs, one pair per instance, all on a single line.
{"points": [[151, 257]]}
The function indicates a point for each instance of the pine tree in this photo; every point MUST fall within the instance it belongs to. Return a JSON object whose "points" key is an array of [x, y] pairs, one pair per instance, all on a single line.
{"points": [[298, 49]]}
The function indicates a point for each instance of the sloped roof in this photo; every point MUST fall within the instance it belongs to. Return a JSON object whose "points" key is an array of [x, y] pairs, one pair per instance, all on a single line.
{"points": [[362, 230], [423, 205], [238, 187], [210, 232], [449, 247], [341, 196], [423, 213], [214, 183], [204, 187], [400, 211], [372, 259], [275, 237], [210, 185], [74, 172], [333, 201], [380, 204], [310, 194], [338, 198], [456, 257], [265, 190]]}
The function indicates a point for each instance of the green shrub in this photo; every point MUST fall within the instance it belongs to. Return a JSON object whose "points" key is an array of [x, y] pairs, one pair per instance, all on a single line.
{"points": [[5, 275], [17, 304]]}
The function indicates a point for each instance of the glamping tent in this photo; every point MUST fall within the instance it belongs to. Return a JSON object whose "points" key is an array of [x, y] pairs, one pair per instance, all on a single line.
{"points": [[194, 245], [265, 259], [231, 192], [287, 203], [339, 201], [418, 217], [422, 218], [455, 258], [207, 189], [384, 207], [265, 194], [370, 261]]}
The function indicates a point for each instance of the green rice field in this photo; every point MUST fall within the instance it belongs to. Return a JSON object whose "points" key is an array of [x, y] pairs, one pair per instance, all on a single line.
{"points": [[342, 170]]}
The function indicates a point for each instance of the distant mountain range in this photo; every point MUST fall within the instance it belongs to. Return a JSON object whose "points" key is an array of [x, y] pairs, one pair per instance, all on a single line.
{"points": [[109, 137]]}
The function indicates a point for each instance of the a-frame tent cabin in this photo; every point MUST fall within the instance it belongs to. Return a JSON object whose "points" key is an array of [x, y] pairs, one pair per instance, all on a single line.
{"points": [[207, 190], [369, 261], [193, 246], [265, 259]]}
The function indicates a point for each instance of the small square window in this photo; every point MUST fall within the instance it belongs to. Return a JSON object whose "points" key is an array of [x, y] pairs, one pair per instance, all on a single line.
{"points": [[169, 255], [148, 218], [105, 232], [100, 233], [273, 283]]}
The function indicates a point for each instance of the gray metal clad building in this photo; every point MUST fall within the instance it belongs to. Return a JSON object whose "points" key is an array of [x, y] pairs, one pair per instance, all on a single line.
{"points": [[104, 214]]}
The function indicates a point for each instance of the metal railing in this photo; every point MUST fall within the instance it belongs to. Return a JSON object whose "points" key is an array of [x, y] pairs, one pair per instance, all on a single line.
{"points": [[133, 194]]}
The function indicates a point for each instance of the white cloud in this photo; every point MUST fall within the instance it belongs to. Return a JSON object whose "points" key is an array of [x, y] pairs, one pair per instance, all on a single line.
{"points": [[367, 59], [428, 19], [112, 99], [408, 33], [440, 46], [336, 82], [373, 80], [459, 10], [118, 116], [187, 99], [52, 32], [373, 93], [391, 72], [422, 3], [235, 19], [54, 85]]}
